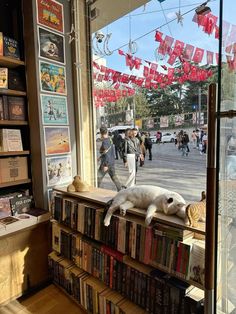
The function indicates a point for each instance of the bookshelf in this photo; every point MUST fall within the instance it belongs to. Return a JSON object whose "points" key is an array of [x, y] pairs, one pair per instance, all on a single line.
{"points": [[20, 153], [159, 259], [15, 183], [11, 92], [11, 122], [10, 62]]}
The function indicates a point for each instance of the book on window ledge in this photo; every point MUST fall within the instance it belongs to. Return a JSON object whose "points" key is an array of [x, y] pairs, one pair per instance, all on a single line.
{"points": [[10, 140]]}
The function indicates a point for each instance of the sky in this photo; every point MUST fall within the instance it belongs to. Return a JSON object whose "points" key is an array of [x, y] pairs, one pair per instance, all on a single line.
{"points": [[144, 20]]}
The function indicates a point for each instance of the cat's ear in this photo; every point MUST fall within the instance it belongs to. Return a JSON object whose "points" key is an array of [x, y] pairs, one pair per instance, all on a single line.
{"points": [[170, 200]]}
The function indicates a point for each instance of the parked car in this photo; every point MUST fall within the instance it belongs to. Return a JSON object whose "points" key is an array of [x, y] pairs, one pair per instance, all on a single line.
{"points": [[168, 137], [153, 138]]}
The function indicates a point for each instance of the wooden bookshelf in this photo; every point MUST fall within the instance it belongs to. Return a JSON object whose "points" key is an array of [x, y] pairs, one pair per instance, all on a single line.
{"points": [[10, 62], [11, 122], [24, 152], [102, 196], [11, 92], [14, 183]]}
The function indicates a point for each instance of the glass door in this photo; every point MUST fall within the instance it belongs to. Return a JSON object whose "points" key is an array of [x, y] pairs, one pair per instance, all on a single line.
{"points": [[226, 196]]}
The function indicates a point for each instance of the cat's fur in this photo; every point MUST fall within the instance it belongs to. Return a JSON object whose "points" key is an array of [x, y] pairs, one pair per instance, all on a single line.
{"points": [[196, 212], [152, 198]]}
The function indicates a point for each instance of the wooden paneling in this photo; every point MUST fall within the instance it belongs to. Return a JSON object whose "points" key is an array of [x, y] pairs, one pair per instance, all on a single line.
{"points": [[23, 261]]}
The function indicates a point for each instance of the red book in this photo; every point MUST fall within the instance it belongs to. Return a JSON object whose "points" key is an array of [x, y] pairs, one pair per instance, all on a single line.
{"points": [[111, 271], [117, 255], [179, 257]]}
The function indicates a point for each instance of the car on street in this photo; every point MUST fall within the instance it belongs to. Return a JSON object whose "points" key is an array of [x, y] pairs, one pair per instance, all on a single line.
{"points": [[153, 139], [168, 138]]}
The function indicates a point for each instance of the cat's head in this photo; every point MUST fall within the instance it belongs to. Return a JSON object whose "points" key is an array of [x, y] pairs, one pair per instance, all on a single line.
{"points": [[170, 203]]}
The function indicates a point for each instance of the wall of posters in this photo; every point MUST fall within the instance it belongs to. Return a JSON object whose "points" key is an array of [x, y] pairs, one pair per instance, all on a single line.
{"points": [[50, 14], [54, 109], [51, 45], [164, 122], [57, 140], [52, 78], [59, 170]]}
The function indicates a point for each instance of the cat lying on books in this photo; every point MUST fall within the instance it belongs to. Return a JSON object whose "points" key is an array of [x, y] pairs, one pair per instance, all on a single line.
{"points": [[152, 198]]}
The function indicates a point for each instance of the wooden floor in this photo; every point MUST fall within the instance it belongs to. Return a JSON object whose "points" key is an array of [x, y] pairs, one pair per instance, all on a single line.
{"points": [[49, 300]]}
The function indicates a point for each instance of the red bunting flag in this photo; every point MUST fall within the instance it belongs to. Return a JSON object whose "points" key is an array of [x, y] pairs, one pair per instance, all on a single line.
{"points": [[137, 63], [148, 83], [165, 45], [125, 78], [117, 85], [210, 57], [171, 72], [103, 68], [100, 78], [210, 23], [198, 55], [178, 48], [188, 52], [116, 76], [172, 59], [146, 71], [132, 78], [96, 65], [121, 52], [129, 61], [153, 68], [158, 36]]}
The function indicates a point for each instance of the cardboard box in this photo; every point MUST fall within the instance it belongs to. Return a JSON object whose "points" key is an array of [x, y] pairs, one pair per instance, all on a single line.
{"points": [[13, 169]]}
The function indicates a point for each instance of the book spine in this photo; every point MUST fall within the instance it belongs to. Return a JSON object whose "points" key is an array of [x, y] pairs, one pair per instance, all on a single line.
{"points": [[5, 108]]}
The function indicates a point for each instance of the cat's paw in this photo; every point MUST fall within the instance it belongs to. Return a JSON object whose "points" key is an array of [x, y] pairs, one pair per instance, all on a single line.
{"points": [[106, 222], [122, 211], [148, 220]]}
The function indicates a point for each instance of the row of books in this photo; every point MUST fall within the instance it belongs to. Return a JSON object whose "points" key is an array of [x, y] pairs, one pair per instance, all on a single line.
{"points": [[168, 248], [12, 108], [10, 140], [95, 297], [11, 79], [89, 292]]}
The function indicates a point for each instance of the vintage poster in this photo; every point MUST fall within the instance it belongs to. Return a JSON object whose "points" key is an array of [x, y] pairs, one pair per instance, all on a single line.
{"points": [[164, 122], [53, 78], [51, 45], [179, 119], [57, 140], [59, 170], [54, 109], [50, 14]]}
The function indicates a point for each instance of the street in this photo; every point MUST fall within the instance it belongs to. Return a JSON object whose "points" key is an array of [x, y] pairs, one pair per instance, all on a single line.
{"points": [[170, 170]]}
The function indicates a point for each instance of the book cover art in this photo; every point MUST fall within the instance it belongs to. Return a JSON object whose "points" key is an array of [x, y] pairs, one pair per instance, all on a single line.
{"points": [[16, 108], [197, 262], [11, 48], [20, 205], [3, 78], [11, 140], [8, 220], [16, 80]]}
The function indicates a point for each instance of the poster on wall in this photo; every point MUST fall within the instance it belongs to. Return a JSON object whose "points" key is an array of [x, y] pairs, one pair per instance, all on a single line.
{"points": [[179, 119], [59, 170], [51, 45], [50, 14], [164, 122], [52, 78], [54, 109], [57, 140]]}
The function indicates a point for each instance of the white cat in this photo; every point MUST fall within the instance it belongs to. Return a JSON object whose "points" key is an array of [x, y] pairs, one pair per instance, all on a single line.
{"points": [[152, 198]]}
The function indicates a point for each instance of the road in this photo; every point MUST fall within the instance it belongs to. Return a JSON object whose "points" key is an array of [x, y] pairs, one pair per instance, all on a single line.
{"points": [[170, 170]]}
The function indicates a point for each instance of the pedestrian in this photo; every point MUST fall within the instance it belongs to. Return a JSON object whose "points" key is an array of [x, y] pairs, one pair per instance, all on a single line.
{"points": [[185, 141], [198, 138], [117, 139], [148, 145], [131, 155], [179, 139], [158, 137], [194, 139], [107, 158], [204, 144]]}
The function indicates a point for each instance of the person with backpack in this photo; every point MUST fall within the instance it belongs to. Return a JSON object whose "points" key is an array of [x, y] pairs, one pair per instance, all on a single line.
{"points": [[107, 159], [148, 144]]}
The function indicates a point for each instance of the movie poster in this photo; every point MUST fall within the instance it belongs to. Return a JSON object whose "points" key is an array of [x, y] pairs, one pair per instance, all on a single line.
{"points": [[51, 45], [57, 140], [52, 78], [59, 170], [50, 14], [54, 109]]}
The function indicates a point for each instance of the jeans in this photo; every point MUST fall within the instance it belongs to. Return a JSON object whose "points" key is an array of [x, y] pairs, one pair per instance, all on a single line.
{"points": [[112, 174], [185, 150]]}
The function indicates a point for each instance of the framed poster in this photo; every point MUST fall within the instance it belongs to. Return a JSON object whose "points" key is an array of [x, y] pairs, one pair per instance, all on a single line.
{"points": [[52, 78], [56, 140], [50, 14], [51, 45], [59, 170], [54, 109]]}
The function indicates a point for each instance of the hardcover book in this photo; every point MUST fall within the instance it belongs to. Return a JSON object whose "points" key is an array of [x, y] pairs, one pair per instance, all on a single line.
{"points": [[3, 78], [16, 108], [16, 80], [11, 48], [1, 109], [10, 140]]}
